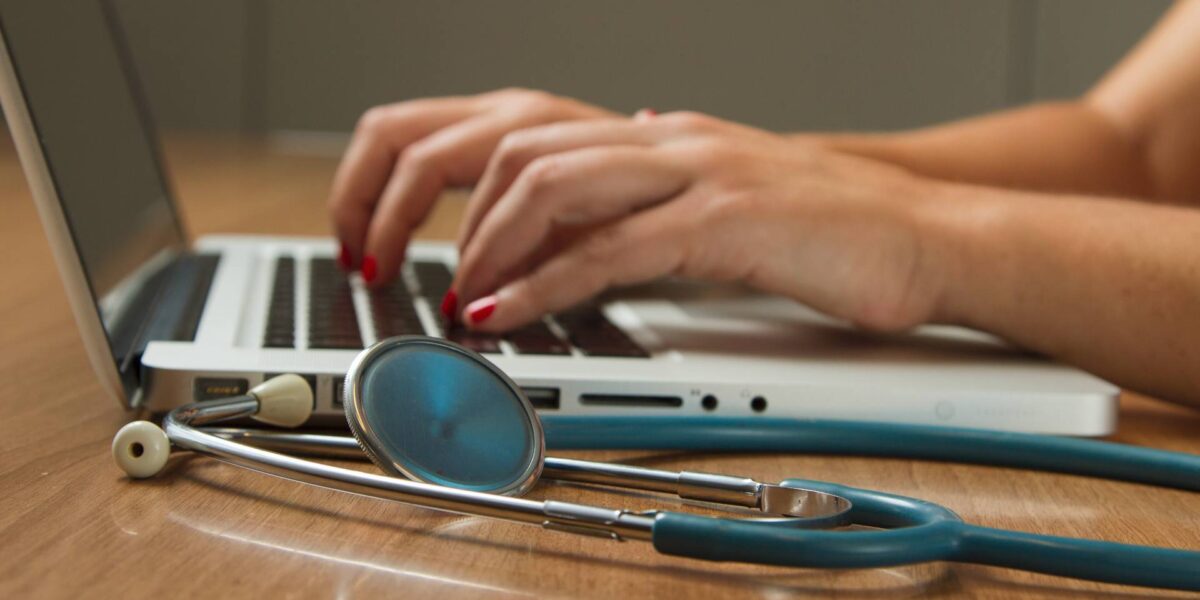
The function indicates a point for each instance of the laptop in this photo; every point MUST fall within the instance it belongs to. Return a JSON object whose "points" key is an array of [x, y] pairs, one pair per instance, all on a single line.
{"points": [[167, 320]]}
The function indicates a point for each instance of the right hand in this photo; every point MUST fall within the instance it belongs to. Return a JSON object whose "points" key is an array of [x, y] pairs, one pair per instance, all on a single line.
{"points": [[403, 155]]}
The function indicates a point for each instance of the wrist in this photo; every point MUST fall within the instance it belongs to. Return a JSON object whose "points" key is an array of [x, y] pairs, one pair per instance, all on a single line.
{"points": [[961, 228]]}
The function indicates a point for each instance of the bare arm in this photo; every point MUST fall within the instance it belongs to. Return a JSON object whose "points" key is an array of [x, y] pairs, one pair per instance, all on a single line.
{"points": [[1136, 134], [1112, 286]]}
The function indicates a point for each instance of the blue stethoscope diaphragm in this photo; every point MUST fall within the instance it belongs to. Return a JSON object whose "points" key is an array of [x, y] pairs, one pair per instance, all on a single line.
{"points": [[433, 411]]}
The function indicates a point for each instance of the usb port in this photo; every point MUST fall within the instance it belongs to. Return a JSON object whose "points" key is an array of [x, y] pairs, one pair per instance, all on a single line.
{"points": [[542, 398], [625, 400], [338, 390]]}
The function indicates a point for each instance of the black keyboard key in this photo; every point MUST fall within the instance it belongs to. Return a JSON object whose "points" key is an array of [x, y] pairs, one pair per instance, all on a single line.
{"points": [[281, 313], [393, 312], [536, 338], [434, 278], [332, 320], [331, 343], [592, 332]]}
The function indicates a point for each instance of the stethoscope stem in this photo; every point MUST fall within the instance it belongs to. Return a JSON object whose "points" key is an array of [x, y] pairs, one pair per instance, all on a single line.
{"points": [[561, 516], [800, 507]]}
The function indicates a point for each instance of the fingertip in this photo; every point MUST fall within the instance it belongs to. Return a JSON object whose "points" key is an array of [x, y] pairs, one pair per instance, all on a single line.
{"points": [[370, 269], [480, 311], [449, 306], [645, 114], [345, 259]]}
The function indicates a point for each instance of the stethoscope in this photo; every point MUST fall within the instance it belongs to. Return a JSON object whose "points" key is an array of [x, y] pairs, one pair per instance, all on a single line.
{"points": [[454, 433]]}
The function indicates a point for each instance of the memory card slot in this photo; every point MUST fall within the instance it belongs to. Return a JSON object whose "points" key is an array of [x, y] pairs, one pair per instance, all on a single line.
{"points": [[631, 400]]}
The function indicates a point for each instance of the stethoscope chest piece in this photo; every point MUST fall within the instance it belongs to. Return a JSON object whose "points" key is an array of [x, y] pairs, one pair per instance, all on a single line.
{"points": [[433, 411]]}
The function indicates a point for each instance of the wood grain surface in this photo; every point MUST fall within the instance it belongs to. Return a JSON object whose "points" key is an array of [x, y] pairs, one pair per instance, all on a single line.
{"points": [[72, 525]]}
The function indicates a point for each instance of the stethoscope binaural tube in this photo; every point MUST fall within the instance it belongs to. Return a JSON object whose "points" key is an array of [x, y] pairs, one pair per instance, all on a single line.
{"points": [[178, 429]]}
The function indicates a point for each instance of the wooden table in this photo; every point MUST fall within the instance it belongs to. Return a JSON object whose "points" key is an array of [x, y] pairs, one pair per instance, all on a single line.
{"points": [[72, 525]]}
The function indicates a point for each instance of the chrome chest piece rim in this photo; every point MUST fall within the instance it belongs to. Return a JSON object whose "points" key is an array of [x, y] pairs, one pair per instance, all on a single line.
{"points": [[383, 451]]}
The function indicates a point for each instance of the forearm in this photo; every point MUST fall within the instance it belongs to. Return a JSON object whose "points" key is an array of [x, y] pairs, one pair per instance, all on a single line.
{"points": [[1111, 286], [1061, 147]]}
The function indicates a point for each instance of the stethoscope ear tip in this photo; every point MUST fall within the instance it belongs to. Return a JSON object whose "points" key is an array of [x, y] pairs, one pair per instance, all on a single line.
{"points": [[284, 401], [141, 449]]}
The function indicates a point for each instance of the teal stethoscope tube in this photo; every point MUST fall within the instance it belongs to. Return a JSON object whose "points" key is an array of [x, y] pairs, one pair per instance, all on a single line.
{"points": [[1075, 456], [913, 530]]}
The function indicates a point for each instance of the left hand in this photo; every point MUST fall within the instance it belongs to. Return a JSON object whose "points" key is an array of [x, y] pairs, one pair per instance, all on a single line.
{"points": [[567, 210]]}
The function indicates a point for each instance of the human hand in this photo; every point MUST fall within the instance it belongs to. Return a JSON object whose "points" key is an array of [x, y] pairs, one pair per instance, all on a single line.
{"points": [[690, 195], [403, 155]]}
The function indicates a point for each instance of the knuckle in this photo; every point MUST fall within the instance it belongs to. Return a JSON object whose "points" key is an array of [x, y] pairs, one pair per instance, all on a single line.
{"points": [[541, 175], [420, 156], [339, 209], [513, 151], [535, 103], [373, 119], [347, 212], [341, 219]]}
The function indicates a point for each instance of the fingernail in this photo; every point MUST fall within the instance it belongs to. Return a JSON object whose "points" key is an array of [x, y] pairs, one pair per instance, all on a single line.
{"points": [[450, 305], [369, 269], [344, 257], [481, 309], [645, 113]]}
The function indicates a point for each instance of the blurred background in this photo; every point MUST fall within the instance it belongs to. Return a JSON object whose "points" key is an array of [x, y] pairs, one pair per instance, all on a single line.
{"points": [[272, 66]]}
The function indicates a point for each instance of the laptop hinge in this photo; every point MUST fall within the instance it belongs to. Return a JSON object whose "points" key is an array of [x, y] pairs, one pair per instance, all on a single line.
{"points": [[172, 308]]}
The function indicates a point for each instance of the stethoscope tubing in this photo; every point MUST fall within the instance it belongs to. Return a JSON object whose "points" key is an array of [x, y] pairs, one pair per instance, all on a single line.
{"points": [[1092, 458], [912, 531], [917, 531]]}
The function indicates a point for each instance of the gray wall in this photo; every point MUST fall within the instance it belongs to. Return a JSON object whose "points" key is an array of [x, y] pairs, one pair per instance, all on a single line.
{"points": [[264, 65]]}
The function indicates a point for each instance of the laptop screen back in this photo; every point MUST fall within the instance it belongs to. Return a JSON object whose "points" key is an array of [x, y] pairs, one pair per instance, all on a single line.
{"points": [[78, 86]]}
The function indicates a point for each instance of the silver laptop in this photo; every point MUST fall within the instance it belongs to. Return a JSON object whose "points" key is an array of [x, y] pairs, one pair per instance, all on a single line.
{"points": [[167, 321]]}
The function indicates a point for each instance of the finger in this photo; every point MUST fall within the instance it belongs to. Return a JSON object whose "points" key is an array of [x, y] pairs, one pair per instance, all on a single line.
{"points": [[640, 248], [645, 114], [580, 187], [520, 148], [381, 135], [452, 156]]}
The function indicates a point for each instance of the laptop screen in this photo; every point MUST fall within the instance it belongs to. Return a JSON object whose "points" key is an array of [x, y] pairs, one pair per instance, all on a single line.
{"points": [[94, 134]]}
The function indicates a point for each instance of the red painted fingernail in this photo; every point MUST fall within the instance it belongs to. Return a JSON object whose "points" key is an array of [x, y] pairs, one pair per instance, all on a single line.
{"points": [[450, 305], [481, 309], [645, 113], [344, 257], [369, 269]]}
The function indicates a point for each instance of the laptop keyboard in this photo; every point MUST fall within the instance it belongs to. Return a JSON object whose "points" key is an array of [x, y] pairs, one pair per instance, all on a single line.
{"points": [[333, 321], [281, 317]]}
